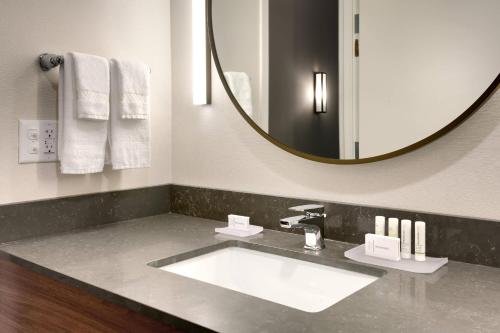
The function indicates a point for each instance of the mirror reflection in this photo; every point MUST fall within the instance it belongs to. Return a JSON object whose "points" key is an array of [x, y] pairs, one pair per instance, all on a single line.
{"points": [[356, 79]]}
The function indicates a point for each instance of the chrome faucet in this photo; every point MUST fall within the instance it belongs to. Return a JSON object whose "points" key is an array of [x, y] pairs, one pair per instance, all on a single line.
{"points": [[312, 215]]}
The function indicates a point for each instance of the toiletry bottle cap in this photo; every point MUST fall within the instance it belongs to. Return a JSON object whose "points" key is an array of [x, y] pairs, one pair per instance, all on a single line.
{"points": [[393, 219], [379, 218], [419, 224]]}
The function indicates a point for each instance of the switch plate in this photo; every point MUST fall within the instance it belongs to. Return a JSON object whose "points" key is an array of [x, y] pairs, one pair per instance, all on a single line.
{"points": [[37, 141]]}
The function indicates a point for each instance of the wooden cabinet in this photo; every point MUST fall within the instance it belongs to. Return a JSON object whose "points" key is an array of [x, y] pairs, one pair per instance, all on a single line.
{"points": [[32, 302]]}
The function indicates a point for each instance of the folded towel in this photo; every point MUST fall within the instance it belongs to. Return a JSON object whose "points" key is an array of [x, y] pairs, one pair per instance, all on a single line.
{"points": [[133, 89], [240, 85], [130, 135], [92, 86], [82, 142]]}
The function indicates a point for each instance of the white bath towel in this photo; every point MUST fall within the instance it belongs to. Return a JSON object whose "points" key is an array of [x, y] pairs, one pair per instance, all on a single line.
{"points": [[92, 86], [82, 142], [130, 134], [133, 89], [240, 85]]}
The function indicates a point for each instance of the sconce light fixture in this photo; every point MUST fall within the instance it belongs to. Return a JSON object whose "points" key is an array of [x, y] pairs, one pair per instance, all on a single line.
{"points": [[201, 55], [320, 95]]}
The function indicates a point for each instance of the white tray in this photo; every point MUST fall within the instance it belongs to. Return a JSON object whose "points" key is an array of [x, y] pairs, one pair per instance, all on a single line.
{"points": [[252, 230], [429, 266]]}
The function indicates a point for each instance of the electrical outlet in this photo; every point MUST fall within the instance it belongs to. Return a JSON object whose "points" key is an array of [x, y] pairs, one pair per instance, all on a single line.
{"points": [[37, 141], [48, 139]]}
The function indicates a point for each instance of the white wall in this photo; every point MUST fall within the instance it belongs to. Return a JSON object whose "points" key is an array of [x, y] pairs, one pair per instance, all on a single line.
{"points": [[214, 147], [422, 63], [135, 29], [238, 32]]}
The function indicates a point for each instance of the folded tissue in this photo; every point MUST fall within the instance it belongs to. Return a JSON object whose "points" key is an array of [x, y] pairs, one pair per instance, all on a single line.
{"points": [[239, 226]]}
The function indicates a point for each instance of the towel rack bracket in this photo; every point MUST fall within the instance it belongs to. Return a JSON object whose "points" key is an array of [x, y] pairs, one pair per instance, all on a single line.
{"points": [[48, 61]]}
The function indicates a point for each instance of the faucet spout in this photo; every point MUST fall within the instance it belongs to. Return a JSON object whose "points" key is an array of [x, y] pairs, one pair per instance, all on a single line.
{"points": [[305, 227], [313, 213]]}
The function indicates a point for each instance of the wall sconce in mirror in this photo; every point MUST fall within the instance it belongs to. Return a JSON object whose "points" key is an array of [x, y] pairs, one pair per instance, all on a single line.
{"points": [[201, 54], [320, 95]]}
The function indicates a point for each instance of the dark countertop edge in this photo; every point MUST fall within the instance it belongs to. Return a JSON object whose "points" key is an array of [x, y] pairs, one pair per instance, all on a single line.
{"points": [[106, 295]]}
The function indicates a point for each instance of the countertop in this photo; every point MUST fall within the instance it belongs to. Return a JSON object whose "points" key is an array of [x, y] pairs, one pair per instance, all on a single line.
{"points": [[111, 261]]}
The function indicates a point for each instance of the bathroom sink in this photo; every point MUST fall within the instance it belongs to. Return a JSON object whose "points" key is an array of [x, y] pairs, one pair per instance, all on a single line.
{"points": [[275, 275]]}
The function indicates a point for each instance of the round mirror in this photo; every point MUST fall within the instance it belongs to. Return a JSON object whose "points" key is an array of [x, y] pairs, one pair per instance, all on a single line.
{"points": [[355, 81]]}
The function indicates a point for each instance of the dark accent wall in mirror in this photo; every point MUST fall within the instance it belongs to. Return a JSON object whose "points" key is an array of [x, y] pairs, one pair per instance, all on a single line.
{"points": [[310, 46], [399, 73]]}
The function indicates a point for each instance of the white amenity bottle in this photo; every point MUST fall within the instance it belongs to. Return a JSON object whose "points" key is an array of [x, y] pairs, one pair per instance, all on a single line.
{"points": [[406, 239], [380, 225], [420, 241], [393, 227]]}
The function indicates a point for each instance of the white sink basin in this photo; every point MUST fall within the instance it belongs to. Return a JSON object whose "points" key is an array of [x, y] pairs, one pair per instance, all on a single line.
{"points": [[295, 283]]}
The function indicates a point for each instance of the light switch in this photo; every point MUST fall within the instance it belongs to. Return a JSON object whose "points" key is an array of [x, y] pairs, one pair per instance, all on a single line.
{"points": [[33, 134], [34, 148], [37, 141]]}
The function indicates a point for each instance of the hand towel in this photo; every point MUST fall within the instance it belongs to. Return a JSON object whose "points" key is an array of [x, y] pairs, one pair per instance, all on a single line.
{"points": [[240, 85], [129, 136], [82, 142], [92, 86], [133, 89]]}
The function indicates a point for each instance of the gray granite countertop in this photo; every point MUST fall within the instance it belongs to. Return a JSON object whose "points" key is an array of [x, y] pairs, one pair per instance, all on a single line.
{"points": [[112, 262]]}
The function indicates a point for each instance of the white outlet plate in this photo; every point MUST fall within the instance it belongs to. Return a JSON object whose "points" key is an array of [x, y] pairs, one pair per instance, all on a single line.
{"points": [[37, 141]]}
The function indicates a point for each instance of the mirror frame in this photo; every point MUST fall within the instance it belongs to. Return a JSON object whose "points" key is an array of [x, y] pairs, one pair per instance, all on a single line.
{"points": [[448, 128]]}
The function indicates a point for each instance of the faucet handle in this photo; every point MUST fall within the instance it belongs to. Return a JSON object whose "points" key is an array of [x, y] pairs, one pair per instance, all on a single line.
{"points": [[310, 209]]}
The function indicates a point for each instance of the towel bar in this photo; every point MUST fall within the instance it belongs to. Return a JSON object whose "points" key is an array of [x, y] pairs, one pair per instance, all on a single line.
{"points": [[48, 61]]}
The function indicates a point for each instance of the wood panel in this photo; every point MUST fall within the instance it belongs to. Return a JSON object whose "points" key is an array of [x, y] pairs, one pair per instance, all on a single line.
{"points": [[32, 302]]}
